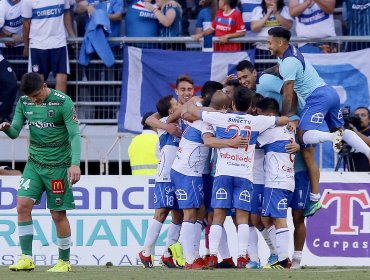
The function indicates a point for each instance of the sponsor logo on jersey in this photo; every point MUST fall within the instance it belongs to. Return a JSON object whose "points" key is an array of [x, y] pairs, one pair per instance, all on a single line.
{"points": [[40, 124], [57, 187], [238, 120], [236, 157]]}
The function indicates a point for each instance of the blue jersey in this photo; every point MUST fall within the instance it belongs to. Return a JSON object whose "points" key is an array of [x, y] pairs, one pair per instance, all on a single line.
{"points": [[271, 86], [175, 29], [294, 67], [204, 21], [112, 7], [358, 17], [140, 22]]}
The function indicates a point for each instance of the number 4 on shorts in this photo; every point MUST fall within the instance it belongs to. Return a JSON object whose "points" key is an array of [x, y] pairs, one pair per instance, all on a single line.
{"points": [[24, 184]]}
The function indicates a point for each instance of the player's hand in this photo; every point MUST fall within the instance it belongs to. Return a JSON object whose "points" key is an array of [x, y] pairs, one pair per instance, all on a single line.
{"points": [[197, 37], [229, 78], [239, 142], [224, 39], [90, 10], [174, 130], [74, 173], [292, 148], [26, 51], [4, 126], [292, 126], [308, 2]]}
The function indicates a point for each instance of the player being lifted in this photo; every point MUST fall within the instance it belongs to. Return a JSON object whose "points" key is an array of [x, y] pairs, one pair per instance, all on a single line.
{"points": [[52, 166]]}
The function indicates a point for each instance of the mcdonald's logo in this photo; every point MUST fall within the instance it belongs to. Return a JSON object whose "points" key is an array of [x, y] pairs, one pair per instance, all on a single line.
{"points": [[57, 186]]}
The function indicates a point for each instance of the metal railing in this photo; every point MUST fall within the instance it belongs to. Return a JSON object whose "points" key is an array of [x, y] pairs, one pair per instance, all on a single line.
{"points": [[96, 89]]}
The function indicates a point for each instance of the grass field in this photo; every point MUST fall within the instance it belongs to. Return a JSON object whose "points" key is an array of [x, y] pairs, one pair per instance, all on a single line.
{"points": [[131, 273]]}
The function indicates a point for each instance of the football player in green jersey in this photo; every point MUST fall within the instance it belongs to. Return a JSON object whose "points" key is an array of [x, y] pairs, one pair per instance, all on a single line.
{"points": [[52, 166]]}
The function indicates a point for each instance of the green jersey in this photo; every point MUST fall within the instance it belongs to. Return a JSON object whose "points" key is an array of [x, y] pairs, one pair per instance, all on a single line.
{"points": [[54, 132]]}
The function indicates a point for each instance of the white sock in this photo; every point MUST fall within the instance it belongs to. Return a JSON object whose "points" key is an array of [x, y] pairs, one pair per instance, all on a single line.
{"points": [[187, 231], [315, 196], [172, 237], [214, 238], [198, 236], [282, 243], [243, 237], [253, 244], [316, 136], [352, 139], [151, 237], [268, 240], [272, 233], [223, 248], [297, 256]]}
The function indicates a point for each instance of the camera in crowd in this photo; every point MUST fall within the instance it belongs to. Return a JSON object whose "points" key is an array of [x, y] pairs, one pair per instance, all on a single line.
{"points": [[350, 119]]}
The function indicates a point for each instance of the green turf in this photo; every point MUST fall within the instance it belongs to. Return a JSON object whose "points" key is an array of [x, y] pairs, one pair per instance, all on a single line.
{"points": [[111, 273]]}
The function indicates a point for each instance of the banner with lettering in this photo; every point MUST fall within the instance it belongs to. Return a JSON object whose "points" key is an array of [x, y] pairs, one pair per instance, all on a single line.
{"points": [[112, 215]]}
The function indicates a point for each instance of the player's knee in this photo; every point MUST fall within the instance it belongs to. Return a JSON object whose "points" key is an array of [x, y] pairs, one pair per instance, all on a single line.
{"points": [[298, 218], [58, 216], [177, 217], [161, 215], [24, 206]]}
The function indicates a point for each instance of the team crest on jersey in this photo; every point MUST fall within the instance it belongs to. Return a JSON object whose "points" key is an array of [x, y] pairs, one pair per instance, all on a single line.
{"points": [[51, 113], [35, 68]]}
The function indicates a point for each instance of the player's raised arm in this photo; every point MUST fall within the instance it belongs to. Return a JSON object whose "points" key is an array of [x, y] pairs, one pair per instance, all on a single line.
{"points": [[154, 122], [71, 122], [213, 142], [13, 130]]}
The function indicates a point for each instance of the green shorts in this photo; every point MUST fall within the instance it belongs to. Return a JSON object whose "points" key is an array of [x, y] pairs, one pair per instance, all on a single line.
{"points": [[36, 180]]}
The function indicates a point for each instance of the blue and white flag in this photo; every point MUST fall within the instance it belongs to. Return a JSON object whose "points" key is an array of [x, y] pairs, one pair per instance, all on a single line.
{"points": [[150, 74], [349, 74]]}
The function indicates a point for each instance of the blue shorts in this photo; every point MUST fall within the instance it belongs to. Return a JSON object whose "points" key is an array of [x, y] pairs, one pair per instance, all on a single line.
{"points": [[322, 104], [188, 190], [257, 199], [275, 202], [164, 196], [46, 61], [207, 189], [229, 192], [301, 194]]}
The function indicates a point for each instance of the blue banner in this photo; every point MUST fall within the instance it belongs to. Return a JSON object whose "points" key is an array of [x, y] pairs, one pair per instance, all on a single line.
{"points": [[150, 74]]}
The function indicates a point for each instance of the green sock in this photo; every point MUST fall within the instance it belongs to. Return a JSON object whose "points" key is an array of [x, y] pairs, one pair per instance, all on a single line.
{"points": [[25, 232], [64, 248]]}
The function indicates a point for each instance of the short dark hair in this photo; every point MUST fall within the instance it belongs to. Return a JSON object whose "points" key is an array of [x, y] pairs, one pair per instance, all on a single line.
{"points": [[207, 91], [364, 108], [255, 99], [245, 64], [268, 105], [233, 82], [143, 120], [242, 98], [184, 78], [164, 105], [231, 3], [31, 82], [280, 32]]}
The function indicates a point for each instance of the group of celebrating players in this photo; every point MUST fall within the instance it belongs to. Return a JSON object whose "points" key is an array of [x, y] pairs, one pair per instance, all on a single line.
{"points": [[238, 155]]}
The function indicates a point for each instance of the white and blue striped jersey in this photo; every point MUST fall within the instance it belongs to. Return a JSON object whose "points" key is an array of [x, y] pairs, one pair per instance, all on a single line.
{"points": [[314, 22], [237, 162], [192, 155], [168, 146], [47, 24], [294, 67], [278, 165], [10, 18]]}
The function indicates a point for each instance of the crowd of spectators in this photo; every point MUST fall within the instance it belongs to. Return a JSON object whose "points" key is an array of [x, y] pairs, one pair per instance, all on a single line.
{"points": [[37, 30]]}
